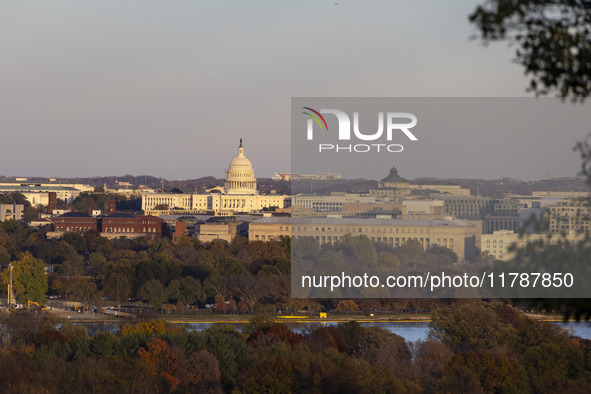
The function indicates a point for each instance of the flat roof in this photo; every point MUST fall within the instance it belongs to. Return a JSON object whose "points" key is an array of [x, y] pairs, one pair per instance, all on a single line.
{"points": [[37, 188], [365, 222]]}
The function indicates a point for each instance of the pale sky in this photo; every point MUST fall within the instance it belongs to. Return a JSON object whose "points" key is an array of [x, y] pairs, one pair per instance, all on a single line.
{"points": [[167, 88]]}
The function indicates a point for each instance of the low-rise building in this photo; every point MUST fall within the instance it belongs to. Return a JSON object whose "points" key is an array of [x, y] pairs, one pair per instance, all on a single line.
{"points": [[11, 211], [118, 224], [74, 222], [330, 203], [460, 236], [570, 216], [502, 244], [224, 228], [37, 192]]}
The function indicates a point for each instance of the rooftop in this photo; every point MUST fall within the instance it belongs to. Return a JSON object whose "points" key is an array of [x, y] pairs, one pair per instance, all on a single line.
{"points": [[37, 188], [120, 215], [366, 222], [76, 215]]}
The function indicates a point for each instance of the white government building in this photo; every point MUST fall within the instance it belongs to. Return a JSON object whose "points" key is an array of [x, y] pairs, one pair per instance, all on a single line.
{"points": [[239, 194]]}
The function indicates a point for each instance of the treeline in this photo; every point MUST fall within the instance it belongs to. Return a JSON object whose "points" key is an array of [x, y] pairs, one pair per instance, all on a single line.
{"points": [[238, 277], [99, 200], [89, 267], [499, 351]]}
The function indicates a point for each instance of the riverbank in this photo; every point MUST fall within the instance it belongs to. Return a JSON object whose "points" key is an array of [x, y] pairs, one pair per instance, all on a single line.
{"points": [[91, 317]]}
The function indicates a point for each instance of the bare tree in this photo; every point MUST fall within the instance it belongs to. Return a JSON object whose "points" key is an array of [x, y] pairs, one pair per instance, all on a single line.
{"points": [[251, 289]]}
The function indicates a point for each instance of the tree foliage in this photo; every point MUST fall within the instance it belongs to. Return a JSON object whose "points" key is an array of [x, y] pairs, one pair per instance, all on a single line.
{"points": [[553, 39], [29, 280]]}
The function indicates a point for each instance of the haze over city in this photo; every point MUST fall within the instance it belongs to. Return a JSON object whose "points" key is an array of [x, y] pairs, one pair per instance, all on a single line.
{"points": [[167, 90]]}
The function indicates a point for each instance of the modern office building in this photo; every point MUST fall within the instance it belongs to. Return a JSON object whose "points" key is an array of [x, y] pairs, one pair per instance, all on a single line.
{"points": [[569, 216], [502, 244]]}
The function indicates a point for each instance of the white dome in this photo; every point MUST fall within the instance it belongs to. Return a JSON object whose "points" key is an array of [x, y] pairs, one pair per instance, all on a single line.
{"points": [[240, 176]]}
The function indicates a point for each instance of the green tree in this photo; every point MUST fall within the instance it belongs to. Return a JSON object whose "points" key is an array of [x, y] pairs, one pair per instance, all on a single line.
{"points": [[117, 287], [104, 344], [4, 257], [361, 247], [161, 266], [81, 289], [154, 292], [306, 248], [444, 255], [228, 267], [29, 280], [230, 348], [77, 241], [553, 40], [191, 290]]}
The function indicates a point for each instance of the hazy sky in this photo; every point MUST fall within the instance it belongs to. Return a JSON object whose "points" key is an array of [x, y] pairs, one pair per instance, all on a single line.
{"points": [[167, 88]]}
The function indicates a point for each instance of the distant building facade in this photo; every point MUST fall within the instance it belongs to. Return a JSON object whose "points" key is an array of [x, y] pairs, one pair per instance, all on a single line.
{"points": [[570, 216], [460, 236], [404, 187], [288, 176], [11, 211], [75, 222], [239, 194], [501, 244], [127, 225], [37, 192], [331, 203], [496, 213], [116, 225]]}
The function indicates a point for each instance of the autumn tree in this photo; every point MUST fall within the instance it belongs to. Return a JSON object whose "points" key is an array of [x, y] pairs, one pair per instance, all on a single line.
{"points": [[483, 371], [473, 324], [164, 361], [29, 281], [347, 306], [220, 304]]}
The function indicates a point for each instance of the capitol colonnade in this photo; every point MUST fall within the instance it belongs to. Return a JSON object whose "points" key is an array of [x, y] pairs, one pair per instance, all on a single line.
{"points": [[239, 194]]}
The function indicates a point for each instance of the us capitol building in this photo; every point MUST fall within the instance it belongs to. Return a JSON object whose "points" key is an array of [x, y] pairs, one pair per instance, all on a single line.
{"points": [[239, 194]]}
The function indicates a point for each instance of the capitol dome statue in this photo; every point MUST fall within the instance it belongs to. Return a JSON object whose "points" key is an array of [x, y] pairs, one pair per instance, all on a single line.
{"points": [[240, 175]]}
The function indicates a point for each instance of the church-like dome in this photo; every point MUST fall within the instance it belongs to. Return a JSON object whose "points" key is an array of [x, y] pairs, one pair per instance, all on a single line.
{"points": [[240, 176], [394, 177]]}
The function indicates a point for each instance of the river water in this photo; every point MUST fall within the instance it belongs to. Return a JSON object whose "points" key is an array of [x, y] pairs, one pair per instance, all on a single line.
{"points": [[412, 332]]}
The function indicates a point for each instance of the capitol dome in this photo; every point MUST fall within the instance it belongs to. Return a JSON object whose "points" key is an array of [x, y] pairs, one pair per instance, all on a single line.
{"points": [[240, 175]]}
